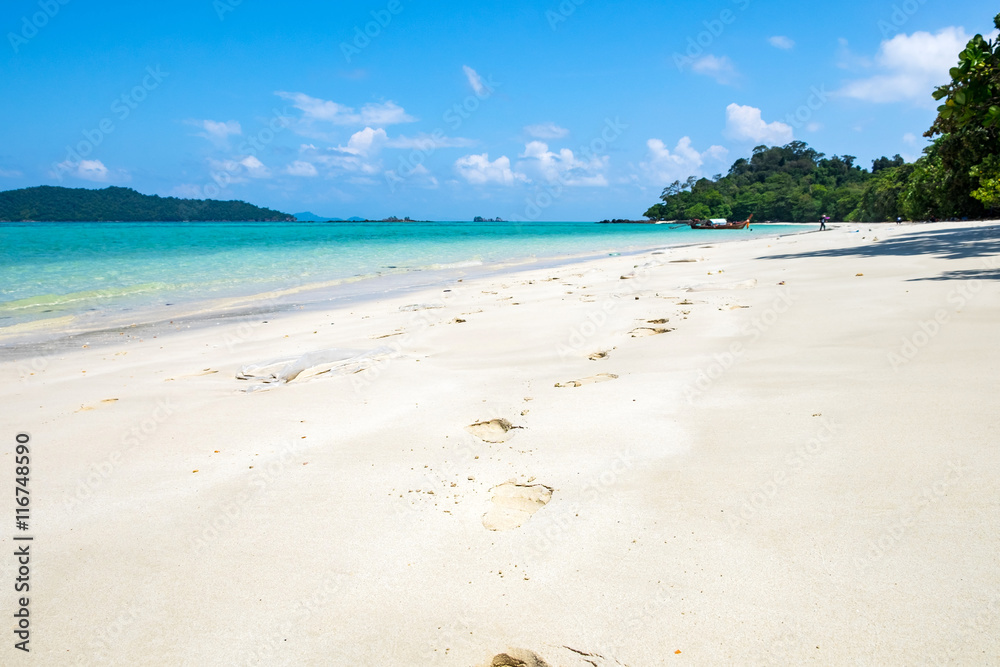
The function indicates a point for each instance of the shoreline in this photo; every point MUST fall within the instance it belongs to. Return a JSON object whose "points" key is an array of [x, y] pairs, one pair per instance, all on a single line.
{"points": [[18, 341]]}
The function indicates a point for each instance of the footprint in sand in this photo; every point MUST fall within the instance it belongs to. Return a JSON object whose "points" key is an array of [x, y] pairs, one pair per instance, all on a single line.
{"points": [[514, 504], [496, 431], [642, 332], [517, 658], [567, 657], [598, 356], [593, 379]]}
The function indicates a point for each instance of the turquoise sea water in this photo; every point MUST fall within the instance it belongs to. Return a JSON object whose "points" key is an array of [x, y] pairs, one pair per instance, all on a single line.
{"points": [[55, 270]]}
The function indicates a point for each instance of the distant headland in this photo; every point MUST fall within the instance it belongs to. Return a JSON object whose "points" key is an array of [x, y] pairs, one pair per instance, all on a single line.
{"points": [[114, 204]]}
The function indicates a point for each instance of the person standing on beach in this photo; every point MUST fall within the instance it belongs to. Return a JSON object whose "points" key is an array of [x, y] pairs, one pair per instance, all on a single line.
{"points": [[822, 224]]}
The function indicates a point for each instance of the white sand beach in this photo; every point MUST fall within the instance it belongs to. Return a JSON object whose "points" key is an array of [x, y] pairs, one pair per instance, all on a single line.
{"points": [[772, 451]]}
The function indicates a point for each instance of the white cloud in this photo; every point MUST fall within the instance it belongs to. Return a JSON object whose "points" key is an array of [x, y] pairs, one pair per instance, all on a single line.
{"points": [[664, 166], [388, 113], [89, 170], [814, 127], [301, 168], [365, 142], [475, 80], [341, 160], [217, 131], [315, 109], [910, 138], [910, 66], [720, 69], [254, 167], [546, 131], [239, 169], [421, 175], [92, 170], [10, 173], [563, 167], [744, 123], [478, 170], [781, 42]]}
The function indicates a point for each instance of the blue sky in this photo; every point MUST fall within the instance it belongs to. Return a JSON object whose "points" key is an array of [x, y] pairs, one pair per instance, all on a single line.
{"points": [[571, 110]]}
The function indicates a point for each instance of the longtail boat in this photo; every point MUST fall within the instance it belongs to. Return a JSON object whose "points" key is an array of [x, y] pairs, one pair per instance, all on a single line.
{"points": [[720, 223]]}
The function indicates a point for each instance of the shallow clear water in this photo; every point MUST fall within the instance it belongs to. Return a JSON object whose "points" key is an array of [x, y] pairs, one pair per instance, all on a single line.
{"points": [[50, 270]]}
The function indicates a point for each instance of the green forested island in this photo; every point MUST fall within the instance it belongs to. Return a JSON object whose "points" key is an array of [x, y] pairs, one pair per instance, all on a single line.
{"points": [[113, 204], [958, 176]]}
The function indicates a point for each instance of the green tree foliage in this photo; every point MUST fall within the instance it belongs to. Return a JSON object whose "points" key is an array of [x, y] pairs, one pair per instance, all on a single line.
{"points": [[968, 123], [885, 163], [793, 183], [988, 173], [54, 204]]}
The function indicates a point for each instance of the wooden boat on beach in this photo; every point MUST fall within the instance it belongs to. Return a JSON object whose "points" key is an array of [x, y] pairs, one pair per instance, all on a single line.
{"points": [[719, 223]]}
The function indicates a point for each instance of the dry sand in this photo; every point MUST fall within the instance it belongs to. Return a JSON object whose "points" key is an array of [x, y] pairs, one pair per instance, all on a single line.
{"points": [[782, 453]]}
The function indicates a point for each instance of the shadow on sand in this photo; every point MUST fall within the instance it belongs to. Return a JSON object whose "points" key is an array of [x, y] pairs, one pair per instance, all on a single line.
{"points": [[962, 243]]}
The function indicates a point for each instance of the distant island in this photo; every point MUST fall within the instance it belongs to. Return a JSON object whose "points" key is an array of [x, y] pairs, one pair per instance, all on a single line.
{"points": [[480, 219], [114, 204], [309, 216]]}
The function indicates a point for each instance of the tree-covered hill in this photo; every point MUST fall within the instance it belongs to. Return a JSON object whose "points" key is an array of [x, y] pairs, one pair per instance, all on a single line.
{"points": [[55, 204], [791, 183]]}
